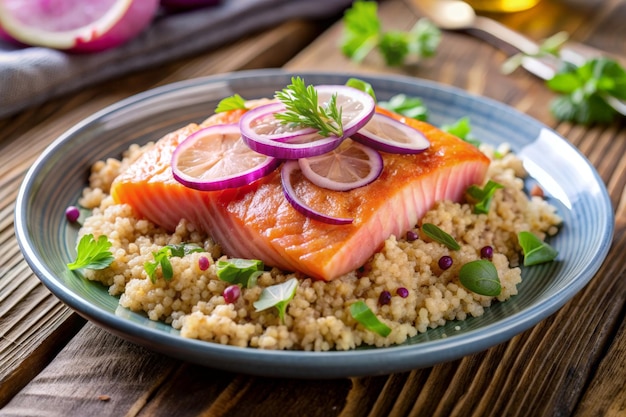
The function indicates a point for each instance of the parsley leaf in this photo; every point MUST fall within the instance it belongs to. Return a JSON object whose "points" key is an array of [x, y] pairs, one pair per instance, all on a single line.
{"points": [[234, 102], [92, 253], [408, 106], [362, 29], [481, 197], [162, 259], [363, 33], [462, 129], [278, 296], [303, 109]]}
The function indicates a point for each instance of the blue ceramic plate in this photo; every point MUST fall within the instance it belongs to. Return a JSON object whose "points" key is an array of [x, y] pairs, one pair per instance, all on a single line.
{"points": [[56, 179]]}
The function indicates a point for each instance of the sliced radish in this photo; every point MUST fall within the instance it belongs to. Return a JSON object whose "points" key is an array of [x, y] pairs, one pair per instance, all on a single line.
{"points": [[288, 168], [267, 135], [387, 134], [349, 166], [216, 158], [74, 25]]}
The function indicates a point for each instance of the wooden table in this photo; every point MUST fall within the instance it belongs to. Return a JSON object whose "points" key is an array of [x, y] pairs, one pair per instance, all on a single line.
{"points": [[54, 363]]}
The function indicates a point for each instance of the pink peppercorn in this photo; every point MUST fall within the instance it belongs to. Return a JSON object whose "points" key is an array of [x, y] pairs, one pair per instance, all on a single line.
{"points": [[231, 293], [384, 298], [402, 292], [445, 262], [411, 236], [72, 213], [203, 263]]}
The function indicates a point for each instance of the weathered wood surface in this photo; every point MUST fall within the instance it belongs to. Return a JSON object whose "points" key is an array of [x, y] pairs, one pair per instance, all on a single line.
{"points": [[571, 364]]}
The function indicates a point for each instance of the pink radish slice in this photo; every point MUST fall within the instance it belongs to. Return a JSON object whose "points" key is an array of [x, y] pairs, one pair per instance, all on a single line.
{"points": [[75, 25]]}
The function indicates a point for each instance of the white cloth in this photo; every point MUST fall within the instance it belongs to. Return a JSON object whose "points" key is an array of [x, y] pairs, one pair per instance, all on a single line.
{"points": [[32, 75]]}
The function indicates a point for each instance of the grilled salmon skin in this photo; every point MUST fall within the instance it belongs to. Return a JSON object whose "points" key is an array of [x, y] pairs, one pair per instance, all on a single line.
{"points": [[257, 222]]}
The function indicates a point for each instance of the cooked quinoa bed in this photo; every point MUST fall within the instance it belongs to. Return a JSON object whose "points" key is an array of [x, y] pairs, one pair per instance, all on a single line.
{"points": [[318, 318]]}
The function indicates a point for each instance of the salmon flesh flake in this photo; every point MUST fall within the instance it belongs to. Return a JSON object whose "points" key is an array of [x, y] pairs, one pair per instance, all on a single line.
{"points": [[257, 222]]}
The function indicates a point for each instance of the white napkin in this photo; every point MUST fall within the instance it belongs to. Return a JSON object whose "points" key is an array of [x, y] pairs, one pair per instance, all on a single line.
{"points": [[32, 75]]}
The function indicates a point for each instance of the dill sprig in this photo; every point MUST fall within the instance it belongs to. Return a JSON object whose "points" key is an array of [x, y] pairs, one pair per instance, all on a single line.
{"points": [[302, 109]]}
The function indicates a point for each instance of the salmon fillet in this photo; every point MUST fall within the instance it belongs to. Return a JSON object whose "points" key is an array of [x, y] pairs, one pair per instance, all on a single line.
{"points": [[257, 222]]}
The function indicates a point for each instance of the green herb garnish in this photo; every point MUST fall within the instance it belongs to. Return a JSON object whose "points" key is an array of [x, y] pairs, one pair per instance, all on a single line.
{"points": [[302, 109], [92, 253], [412, 107], [438, 235], [535, 251], [362, 85], [277, 296], [480, 277], [234, 102], [363, 33], [462, 129], [364, 315], [481, 197], [162, 259], [586, 89], [239, 271]]}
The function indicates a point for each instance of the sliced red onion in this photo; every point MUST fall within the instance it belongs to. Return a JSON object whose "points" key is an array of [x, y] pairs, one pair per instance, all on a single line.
{"points": [[230, 164], [351, 165], [357, 107], [387, 134], [288, 168], [265, 134]]}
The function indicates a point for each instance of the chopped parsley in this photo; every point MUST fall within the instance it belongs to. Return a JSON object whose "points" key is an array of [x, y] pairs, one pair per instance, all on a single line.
{"points": [[364, 33], [162, 259]]}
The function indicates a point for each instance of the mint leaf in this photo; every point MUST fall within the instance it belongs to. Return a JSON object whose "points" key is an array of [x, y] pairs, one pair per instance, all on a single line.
{"points": [[277, 296], [364, 315], [239, 271], [535, 251], [438, 235], [481, 277]]}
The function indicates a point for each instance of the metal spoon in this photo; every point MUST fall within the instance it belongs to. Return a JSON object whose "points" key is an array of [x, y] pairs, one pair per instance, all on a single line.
{"points": [[458, 15]]}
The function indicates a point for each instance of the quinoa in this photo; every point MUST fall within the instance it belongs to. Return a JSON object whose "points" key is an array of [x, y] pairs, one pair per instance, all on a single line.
{"points": [[318, 317]]}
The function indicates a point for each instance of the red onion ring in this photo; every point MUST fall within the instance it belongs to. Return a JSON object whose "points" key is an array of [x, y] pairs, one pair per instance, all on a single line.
{"points": [[231, 136], [288, 168], [387, 134]]}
